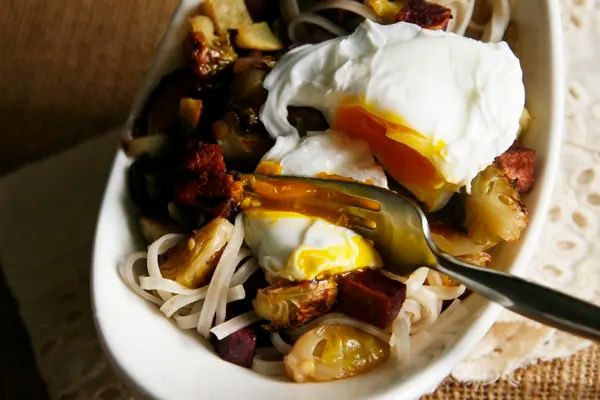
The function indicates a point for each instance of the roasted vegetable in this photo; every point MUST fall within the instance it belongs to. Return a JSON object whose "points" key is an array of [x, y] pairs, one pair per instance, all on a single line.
{"points": [[190, 112], [385, 9], [334, 352], [149, 182], [257, 37], [192, 262], [307, 119], [518, 164], [161, 112], [154, 228], [152, 146], [211, 54], [239, 146], [292, 305], [371, 297], [247, 88], [204, 183], [426, 14], [227, 14], [237, 348], [493, 209]]}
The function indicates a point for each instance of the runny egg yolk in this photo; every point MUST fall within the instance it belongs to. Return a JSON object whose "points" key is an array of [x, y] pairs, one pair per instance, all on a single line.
{"points": [[403, 152]]}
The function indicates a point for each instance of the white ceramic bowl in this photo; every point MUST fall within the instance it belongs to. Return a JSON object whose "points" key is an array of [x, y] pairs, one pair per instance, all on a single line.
{"points": [[161, 361]]}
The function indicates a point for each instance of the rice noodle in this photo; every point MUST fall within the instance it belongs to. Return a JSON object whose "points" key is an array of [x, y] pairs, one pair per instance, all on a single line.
{"points": [[175, 303], [496, 26], [346, 5], [166, 285], [267, 361], [158, 247], [337, 318], [234, 324], [221, 278], [244, 272], [126, 270], [279, 343], [314, 19]]}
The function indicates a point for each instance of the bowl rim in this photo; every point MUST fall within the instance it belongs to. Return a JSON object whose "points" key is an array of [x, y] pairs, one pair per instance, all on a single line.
{"points": [[488, 312]]}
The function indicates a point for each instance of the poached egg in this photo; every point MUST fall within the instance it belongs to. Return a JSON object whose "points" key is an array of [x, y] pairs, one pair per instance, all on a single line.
{"points": [[435, 108]]}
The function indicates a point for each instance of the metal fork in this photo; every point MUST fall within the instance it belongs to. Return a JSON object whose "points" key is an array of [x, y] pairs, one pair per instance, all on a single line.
{"points": [[395, 222]]}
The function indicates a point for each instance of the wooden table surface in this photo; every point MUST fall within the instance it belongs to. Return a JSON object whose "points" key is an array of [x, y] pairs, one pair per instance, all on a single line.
{"points": [[68, 71]]}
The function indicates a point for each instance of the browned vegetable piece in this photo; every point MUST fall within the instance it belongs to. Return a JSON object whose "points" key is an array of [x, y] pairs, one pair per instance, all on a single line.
{"points": [[334, 352], [204, 182], [154, 228], [227, 14], [257, 37], [192, 262], [211, 54], [152, 145], [370, 296], [190, 112], [293, 305], [161, 112], [518, 164], [237, 348], [238, 145], [454, 242], [425, 14], [493, 209]]}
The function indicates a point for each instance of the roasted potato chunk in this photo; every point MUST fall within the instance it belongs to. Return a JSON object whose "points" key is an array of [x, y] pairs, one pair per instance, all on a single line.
{"points": [[493, 210], [334, 352], [385, 9], [293, 305], [190, 112], [257, 37], [192, 262], [456, 243], [227, 14]]}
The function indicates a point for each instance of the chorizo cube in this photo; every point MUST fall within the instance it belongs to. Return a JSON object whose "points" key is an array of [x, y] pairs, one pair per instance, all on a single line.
{"points": [[518, 164], [371, 297]]}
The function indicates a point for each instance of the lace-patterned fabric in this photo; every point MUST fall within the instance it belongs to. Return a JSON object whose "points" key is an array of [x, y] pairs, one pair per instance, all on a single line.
{"points": [[49, 275], [569, 247]]}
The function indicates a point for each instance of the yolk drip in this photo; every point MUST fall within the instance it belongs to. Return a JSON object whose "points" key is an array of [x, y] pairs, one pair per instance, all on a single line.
{"points": [[401, 161]]}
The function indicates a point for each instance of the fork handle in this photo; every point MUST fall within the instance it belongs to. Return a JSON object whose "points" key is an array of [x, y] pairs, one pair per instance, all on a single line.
{"points": [[531, 300]]}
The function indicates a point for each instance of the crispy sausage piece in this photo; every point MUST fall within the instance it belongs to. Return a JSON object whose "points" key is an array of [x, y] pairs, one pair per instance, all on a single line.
{"points": [[425, 14], [518, 164], [237, 348], [204, 181], [370, 296]]}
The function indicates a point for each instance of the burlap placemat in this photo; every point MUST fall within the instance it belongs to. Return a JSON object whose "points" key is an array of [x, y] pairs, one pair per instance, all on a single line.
{"points": [[68, 71]]}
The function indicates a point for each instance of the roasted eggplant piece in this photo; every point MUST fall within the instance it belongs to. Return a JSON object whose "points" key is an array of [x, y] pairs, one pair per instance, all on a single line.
{"points": [[518, 164], [493, 209], [293, 305], [241, 148], [190, 112], [149, 181], [334, 352], [426, 14], [371, 297], [192, 262], [160, 116], [154, 228], [237, 348]]}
